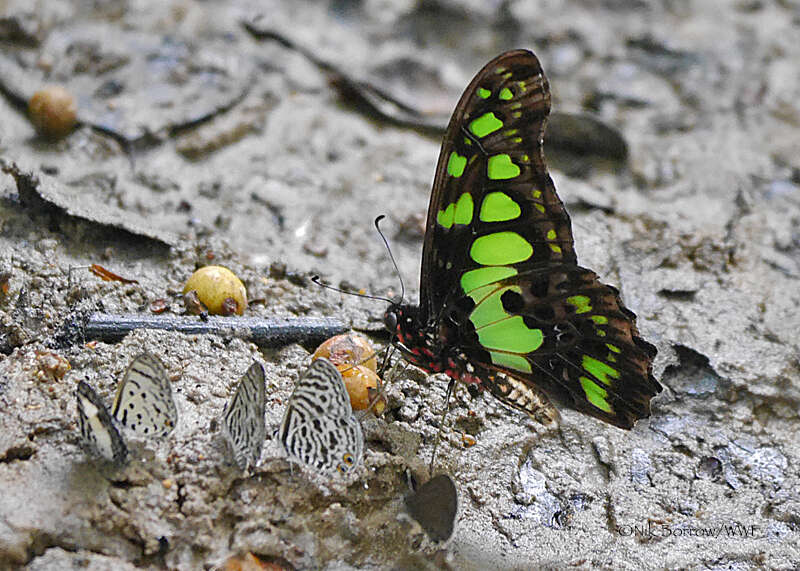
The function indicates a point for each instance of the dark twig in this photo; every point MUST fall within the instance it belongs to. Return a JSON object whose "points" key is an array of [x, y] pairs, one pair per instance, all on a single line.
{"points": [[579, 134], [265, 332]]}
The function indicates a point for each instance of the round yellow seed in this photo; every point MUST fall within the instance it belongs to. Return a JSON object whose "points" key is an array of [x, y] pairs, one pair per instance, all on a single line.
{"points": [[359, 380], [355, 358], [219, 290], [348, 349], [53, 111]]}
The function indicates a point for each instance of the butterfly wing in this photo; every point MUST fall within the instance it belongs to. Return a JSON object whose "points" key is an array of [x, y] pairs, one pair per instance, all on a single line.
{"points": [[500, 281], [558, 329], [494, 210], [144, 402], [319, 429], [97, 426], [435, 505], [243, 420]]}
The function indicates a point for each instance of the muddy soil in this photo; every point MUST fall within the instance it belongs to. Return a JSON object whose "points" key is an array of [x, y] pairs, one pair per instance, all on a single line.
{"points": [[199, 142]]}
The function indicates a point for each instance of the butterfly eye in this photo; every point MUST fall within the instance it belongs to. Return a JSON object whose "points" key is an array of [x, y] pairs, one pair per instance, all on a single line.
{"points": [[348, 459]]}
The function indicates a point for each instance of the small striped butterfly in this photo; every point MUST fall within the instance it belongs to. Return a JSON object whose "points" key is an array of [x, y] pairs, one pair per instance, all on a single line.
{"points": [[144, 402], [319, 429], [98, 428], [243, 420]]}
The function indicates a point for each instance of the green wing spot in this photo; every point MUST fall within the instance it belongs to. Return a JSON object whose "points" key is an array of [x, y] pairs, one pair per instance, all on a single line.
{"points": [[500, 167], [489, 309], [505, 94], [600, 332], [539, 207], [509, 361], [595, 394], [456, 164], [551, 234], [556, 249], [581, 303], [500, 248], [464, 209], [482, 276], [613, 348], [484, 93], [600, 370], [445, 217], [599, 319], [485, 124], [537, 193], [498, 206], [510, 335]]}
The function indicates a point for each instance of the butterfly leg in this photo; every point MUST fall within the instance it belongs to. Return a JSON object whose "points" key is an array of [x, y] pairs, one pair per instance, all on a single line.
{"points": [[523, 396], [450, 386]]}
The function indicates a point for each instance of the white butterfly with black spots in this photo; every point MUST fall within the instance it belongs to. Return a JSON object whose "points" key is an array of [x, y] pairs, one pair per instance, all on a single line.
{"points": [[98, 428], [144, 402], [243, 420], [319, 429]]}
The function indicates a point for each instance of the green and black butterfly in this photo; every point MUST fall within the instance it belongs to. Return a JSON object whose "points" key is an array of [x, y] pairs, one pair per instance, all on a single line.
{"points": [[504, 304]]}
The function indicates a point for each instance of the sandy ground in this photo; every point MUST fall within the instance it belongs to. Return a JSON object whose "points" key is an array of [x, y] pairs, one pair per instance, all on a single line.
{"points": [[216, 146]]}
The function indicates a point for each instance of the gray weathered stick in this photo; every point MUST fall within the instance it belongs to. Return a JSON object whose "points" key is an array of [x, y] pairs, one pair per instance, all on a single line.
{"points": [[266, 332]]}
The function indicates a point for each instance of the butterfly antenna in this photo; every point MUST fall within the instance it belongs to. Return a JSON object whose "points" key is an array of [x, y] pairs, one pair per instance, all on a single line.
{"points": [[317, 280], [391, 256]]}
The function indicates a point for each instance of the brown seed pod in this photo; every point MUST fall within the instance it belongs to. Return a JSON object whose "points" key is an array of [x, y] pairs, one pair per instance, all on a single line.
{"points": [[192, 303], [53, 111], [219, 290], [159, 305], [348, 349]]}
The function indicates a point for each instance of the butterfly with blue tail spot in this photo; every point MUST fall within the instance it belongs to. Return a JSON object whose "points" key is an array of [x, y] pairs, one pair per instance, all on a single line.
{"points": [[319, 430]]}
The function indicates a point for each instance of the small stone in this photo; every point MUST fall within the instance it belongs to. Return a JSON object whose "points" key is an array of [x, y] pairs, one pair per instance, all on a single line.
{"points": [[53, 111]]}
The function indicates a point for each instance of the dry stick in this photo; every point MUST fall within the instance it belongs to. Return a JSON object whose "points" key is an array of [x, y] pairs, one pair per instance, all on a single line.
{"points": [[265, 332]]}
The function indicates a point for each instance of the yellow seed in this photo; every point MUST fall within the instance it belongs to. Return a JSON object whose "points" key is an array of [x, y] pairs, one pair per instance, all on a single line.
{"points": [[359, 380], [53, 111], [218, 289], [348, 349]]}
